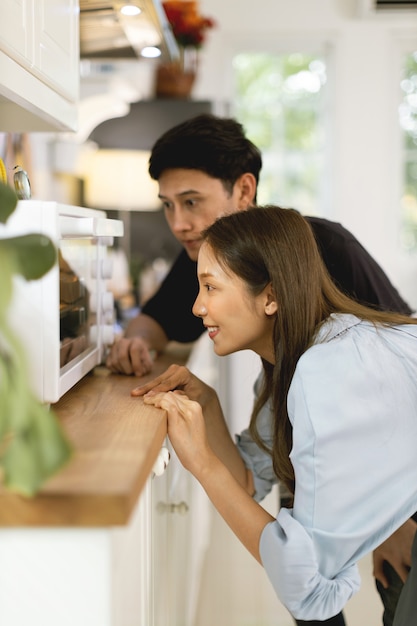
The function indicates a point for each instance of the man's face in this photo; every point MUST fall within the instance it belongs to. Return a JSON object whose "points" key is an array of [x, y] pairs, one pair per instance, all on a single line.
{"points": [[192, 201]]}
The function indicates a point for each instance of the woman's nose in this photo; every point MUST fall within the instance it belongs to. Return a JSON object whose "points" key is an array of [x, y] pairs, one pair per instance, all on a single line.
{"points": [[199, 310]]}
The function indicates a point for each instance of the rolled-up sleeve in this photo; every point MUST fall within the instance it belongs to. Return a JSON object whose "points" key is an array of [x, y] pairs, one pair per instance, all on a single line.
{"points": [[289, 558], [257, 460]]}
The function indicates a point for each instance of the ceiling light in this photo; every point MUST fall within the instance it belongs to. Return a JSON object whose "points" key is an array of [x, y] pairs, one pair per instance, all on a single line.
{"points": [[150, 52], [130, 10]]}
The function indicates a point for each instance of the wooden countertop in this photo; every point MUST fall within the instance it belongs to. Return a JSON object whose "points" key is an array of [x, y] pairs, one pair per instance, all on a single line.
{"points": [[116, 441]]}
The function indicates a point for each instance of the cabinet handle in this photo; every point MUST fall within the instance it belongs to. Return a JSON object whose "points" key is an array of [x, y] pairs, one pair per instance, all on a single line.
{"points": [[181, 508], [161, 462]]}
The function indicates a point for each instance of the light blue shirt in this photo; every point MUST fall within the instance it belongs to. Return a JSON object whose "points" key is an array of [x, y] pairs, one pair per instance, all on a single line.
{"points": [[353, 407]]}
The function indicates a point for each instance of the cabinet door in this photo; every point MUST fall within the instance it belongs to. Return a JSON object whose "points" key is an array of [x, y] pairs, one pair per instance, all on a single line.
{"points": [[160, 552], [15, 24], [181, 522], [175, 580], [39, 65], [56, 53]]}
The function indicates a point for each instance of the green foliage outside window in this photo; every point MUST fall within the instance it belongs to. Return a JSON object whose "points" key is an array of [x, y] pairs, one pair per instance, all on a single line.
{"points": [[280, 102]]}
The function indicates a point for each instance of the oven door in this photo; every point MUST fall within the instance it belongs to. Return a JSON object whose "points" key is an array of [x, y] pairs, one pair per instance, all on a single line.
{"points": [[86, 307]]}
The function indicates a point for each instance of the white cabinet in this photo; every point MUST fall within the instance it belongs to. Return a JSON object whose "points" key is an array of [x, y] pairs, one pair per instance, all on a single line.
{"points": [[166, 578], [132, 575], [13, 30], [39, 65], [178, 546], [78, 576], [181, 522]]}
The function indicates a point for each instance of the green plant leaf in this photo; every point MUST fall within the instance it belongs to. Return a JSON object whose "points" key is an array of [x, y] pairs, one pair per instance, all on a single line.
{"points": [[51, 442], [6, 281], [36, 452], [33, 254], [33, 445], [4, 395], [8, 202], [21, 466]]}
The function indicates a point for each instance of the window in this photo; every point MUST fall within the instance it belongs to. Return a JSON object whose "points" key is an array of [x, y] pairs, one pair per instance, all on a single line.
{"points": [[408, 123], [280, 100]]}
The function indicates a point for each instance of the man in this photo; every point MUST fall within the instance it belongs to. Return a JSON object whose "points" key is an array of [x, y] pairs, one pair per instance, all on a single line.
{"points": [[205, 168]]}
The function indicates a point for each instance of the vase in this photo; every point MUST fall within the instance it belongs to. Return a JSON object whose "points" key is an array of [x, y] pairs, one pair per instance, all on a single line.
{"points": [[176, 79]]}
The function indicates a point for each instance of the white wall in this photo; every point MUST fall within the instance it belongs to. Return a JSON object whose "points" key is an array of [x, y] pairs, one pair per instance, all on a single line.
{"points": [[364, 51]]}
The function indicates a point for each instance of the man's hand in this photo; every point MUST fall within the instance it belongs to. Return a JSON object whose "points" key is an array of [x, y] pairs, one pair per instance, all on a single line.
{"points": [[397, 551], [130, 356]]}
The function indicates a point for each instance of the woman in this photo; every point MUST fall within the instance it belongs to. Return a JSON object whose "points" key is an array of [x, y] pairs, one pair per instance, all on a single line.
{"points": [[342, 380]]}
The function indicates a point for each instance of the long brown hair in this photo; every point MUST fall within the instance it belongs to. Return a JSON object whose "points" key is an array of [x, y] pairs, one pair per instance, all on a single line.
{"points": [[270, 244]]}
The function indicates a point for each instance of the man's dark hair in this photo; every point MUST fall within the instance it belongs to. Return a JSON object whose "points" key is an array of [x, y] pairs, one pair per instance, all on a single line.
{"points": [[214, 145]]}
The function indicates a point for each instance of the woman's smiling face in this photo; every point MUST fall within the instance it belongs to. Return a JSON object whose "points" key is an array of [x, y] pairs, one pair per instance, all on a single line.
{"points": [[235, 318]]}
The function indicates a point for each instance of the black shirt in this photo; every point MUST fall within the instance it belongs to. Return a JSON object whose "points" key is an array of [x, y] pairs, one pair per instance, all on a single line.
{"points": [[352, 268]]}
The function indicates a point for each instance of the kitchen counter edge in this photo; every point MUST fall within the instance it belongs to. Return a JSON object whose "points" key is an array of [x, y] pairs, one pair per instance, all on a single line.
{"points": [[116, 439]]}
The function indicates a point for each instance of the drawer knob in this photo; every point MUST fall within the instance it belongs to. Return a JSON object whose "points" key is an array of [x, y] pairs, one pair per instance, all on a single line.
{"points": [[181, 508]]}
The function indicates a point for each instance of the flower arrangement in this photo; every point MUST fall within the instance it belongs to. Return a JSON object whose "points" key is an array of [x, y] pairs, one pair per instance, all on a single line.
{"points": [[175, 79], [188, 26]]}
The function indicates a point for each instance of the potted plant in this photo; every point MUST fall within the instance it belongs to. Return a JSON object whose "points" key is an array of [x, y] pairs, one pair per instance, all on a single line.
{"points": [[32, 443], [176, 79]]}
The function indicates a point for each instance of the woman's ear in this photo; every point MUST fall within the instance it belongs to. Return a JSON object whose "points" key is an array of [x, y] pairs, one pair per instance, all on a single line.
{"points": [[271, 304]]}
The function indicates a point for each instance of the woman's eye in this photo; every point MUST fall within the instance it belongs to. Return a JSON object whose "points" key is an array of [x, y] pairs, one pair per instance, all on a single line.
{"points": [[209, 287]]}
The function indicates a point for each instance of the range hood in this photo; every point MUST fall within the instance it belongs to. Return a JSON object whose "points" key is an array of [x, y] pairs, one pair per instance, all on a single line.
{"points": [[106, 34]]}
